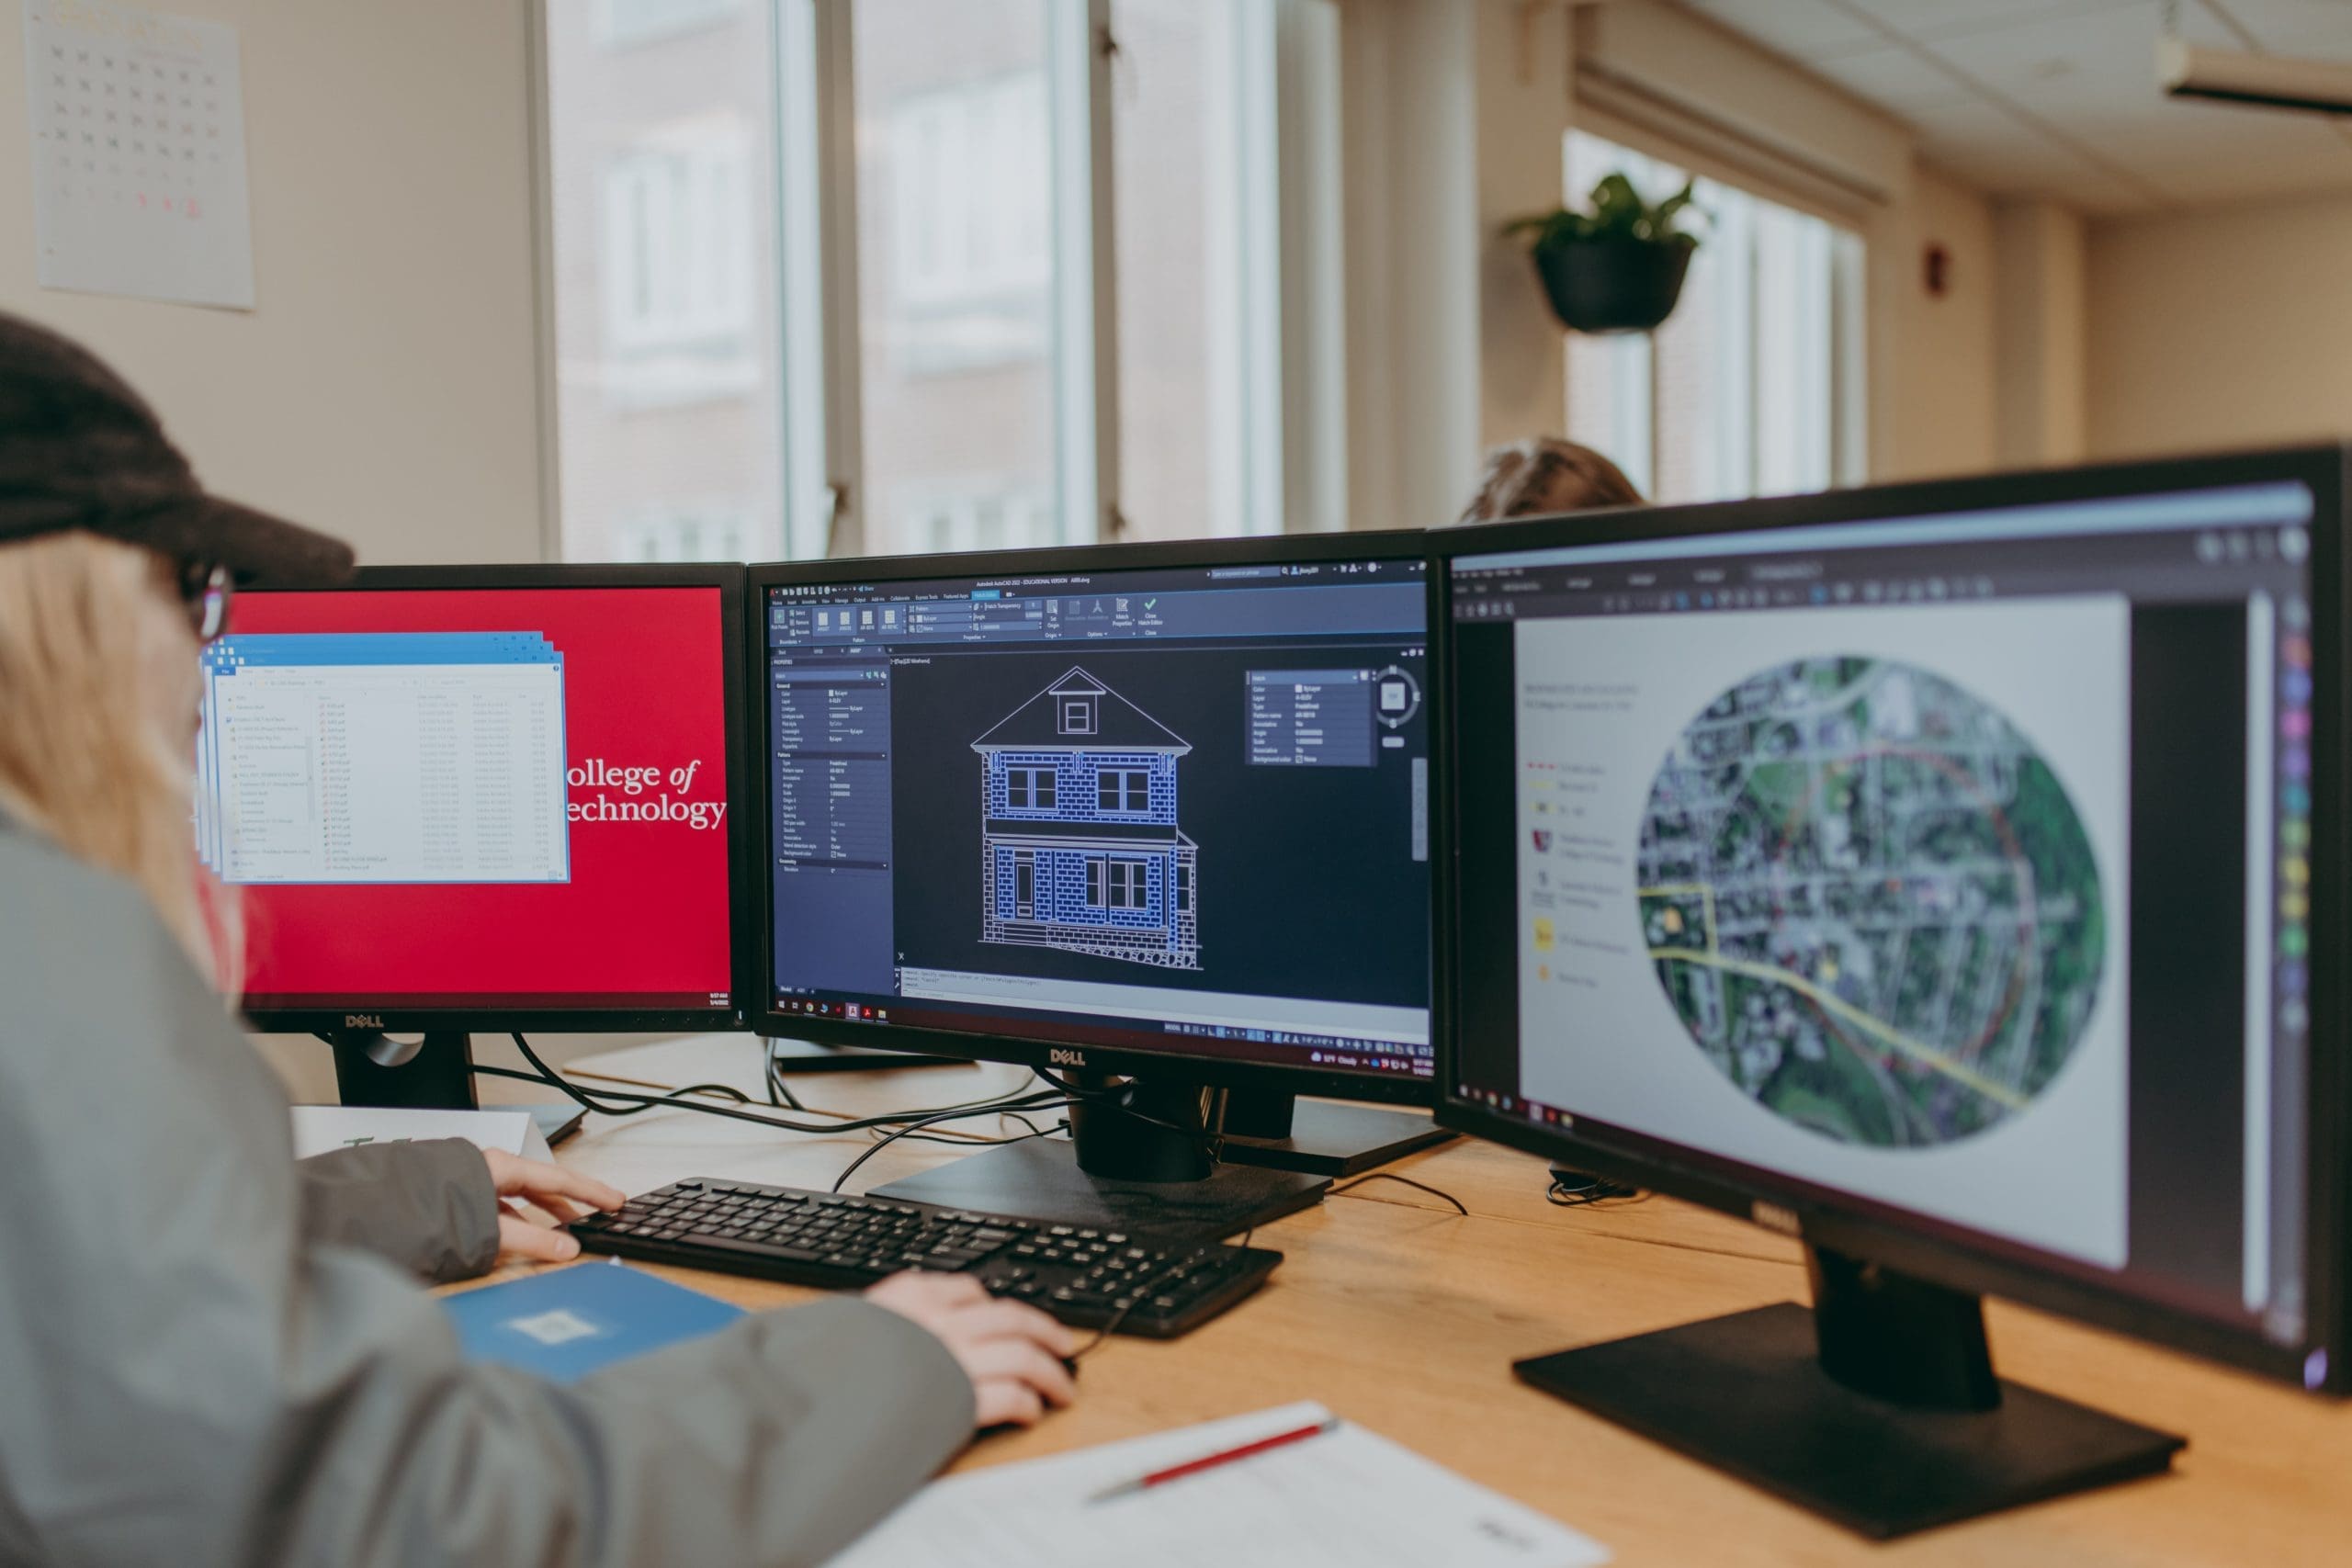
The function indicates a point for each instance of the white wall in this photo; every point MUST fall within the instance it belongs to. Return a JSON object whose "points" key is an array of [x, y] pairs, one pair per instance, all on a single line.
{"points": [[1524, 64], [1935, 399], [1408, 101], [387, 387], [2220, 327], [2039, 337]]}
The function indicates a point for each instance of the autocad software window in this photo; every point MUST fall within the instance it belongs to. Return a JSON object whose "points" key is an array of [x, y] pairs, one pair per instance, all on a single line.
{"points": [[1184, 806]]}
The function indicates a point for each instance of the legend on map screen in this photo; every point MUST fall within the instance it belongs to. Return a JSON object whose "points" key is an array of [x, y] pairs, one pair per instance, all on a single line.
{"points": [[472, 796]]}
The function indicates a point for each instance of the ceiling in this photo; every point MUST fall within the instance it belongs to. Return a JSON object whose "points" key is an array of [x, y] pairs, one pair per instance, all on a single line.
{"points": [[2058, 99]]}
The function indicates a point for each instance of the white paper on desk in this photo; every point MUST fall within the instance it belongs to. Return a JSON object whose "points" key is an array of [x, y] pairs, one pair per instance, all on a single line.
{"points": [[321, 1128], [1350, 1498], [139, 154]]}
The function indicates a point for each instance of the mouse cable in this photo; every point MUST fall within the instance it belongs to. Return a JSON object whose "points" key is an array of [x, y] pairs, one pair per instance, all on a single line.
{"points": [[915, 1129], [1392, 1176]]}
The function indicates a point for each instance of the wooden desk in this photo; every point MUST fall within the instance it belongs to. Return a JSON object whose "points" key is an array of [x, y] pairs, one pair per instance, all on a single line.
{"points": [[1405, 1316]]}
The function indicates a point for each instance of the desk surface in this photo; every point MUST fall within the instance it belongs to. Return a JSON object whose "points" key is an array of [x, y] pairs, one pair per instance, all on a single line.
{"points": [[1405, 1316]]}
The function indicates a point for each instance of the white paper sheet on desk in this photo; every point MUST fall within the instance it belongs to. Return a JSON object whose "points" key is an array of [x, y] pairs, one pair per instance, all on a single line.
{"points": [[1350, 1498], [319, 1128]]}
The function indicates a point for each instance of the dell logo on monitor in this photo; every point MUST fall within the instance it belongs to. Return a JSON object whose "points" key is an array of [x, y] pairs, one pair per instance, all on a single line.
{"points": [[363, 1021], [1062, 1058]]}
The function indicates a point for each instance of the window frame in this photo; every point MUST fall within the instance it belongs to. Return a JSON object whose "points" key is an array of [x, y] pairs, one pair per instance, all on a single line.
{"points": [[1128, 790], [1290, 376], [1033, 780]]}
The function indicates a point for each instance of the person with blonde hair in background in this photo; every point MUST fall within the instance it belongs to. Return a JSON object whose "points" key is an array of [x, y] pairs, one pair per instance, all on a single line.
{"points": [[1544, 476], [214, 1354]]}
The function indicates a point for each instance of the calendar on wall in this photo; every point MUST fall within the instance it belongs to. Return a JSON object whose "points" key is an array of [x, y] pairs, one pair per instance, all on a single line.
{"points": [[139, 154]]}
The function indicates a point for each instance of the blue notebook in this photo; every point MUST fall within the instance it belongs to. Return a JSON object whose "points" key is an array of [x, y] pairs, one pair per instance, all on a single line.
{"points": [[566, 1322]]}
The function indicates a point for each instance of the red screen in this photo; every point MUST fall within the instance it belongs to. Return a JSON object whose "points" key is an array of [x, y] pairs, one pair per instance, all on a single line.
{"points": [[642, 921]]}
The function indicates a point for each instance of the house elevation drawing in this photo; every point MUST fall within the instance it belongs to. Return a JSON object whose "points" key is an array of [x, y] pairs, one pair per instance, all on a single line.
{"points": [[1080, 848]]}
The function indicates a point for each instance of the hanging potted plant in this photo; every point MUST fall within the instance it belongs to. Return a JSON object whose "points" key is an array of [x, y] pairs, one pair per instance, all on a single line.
{"points": [[1617, 267]]}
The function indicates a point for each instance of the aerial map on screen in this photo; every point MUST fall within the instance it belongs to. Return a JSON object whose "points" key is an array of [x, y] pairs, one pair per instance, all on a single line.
{"points": [[1871, 902]]}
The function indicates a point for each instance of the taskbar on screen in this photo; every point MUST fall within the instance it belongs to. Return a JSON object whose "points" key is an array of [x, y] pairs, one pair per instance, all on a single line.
{"points": [[1278, 1047]]}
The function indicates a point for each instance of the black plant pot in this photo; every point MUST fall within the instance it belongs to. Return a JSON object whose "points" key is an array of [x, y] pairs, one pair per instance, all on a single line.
{"points": [[1612, 286]]}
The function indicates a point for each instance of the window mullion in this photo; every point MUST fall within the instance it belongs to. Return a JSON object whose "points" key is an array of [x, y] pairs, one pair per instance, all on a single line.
{"points": [[1085, 286], [824, 445], [1257, 147]]}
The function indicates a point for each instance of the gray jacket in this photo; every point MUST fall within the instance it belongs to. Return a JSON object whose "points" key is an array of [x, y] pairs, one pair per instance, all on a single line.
{"points": [[210, 1356]]}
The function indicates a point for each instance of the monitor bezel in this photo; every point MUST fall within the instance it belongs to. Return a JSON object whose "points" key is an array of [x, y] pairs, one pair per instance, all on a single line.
{"points": [[1949, 1255], [1010, 1045], [743, 912]]}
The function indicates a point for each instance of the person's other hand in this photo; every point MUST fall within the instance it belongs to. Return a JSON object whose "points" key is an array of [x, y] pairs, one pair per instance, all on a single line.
{"points": [[1011, 1351], [554, 1191]]}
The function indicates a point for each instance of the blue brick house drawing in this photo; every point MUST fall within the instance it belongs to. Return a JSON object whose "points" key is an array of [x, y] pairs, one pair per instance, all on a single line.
{"points": [[1080, 848]]}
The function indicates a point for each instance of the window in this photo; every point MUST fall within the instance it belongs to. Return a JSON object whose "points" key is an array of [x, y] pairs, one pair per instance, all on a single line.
{"points": [[1183, 888], [713, 531], [852, 266], [1123, 789], [1076, 715], [1116, 883], [1739, 393], [1029, 789], [957, 280], [668, 376], [677, 283], [973, 222], [975, 515], [623, 24]]}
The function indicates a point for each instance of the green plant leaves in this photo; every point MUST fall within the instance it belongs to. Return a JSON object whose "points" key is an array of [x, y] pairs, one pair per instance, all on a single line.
{"points": [[1616, 211]]}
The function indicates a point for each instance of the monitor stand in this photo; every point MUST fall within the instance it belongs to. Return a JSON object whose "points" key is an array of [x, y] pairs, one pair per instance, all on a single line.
{"points": [[1275, 1130], [1878, 1409], [809, 1056], [1138, 1164], [433, 1072]]}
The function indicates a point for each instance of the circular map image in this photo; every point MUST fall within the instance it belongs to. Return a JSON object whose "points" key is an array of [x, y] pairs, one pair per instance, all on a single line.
{"points": [[1871, 902]]}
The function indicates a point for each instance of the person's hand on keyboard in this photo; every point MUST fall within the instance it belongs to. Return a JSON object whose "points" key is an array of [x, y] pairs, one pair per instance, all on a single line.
{"points": [[561, 1194], [1015, 1354]]}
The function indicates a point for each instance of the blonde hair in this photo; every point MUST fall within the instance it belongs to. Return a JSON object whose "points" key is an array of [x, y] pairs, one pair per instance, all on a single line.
{"points": [[85, 756], [1532, 478]]}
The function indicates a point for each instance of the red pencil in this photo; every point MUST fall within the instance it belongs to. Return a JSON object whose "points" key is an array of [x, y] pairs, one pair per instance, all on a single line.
{"points": [[1212, 1462]]}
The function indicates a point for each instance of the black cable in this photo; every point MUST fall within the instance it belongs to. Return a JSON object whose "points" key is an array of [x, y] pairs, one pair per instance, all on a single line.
{"points": [[549, 1075], [1392, 1176], [779, 1094], [1005, 1096], [1113, 1098], [650, 1103], [624, 1102], [968, 1139], [915, 1128], [1104, 1332], [1578, 1188]]}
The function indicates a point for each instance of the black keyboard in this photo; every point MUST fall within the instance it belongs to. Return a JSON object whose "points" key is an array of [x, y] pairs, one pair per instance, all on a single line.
{"points": [[1154, 1286]]}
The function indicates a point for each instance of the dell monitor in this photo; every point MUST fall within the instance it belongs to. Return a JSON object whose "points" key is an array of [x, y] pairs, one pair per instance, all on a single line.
{"points": [[1151, 815], [485, 797], [1947, 875]]}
